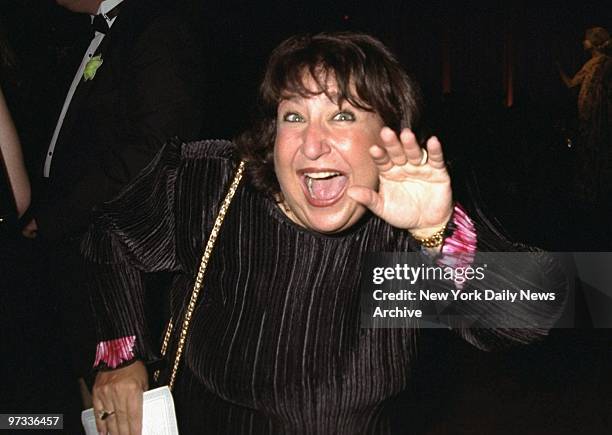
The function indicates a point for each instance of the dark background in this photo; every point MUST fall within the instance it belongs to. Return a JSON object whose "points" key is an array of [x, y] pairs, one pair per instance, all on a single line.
{"points": [[516, 149]]}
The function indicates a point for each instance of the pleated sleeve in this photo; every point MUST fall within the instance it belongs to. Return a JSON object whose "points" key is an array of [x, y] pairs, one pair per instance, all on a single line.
{"points": [[497, 324], [131, 235]]}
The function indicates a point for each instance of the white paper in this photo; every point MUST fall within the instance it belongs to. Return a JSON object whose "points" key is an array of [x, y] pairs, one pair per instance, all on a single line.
{"points": [[158, 417]]}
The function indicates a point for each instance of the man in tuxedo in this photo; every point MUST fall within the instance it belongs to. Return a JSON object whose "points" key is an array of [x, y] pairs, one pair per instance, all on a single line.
{"points": [[137, 86]]}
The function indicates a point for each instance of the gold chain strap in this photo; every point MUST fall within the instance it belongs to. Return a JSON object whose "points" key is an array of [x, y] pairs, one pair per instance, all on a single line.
{"points": [[164, 347], [199, 279]]}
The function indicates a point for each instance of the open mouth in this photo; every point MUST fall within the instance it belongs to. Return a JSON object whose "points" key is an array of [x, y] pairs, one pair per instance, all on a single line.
{"points": [[324, 188]]}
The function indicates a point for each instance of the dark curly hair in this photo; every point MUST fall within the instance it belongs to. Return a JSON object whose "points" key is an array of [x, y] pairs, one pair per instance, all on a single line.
{"points": [[366, 73]]}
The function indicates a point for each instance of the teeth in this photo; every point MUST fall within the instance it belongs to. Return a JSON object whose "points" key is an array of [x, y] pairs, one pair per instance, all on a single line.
{"points": [[321, 174], [317, 176]]}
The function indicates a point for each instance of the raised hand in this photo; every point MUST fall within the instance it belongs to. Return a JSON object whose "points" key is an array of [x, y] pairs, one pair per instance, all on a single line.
{"points": [[415, 190]]}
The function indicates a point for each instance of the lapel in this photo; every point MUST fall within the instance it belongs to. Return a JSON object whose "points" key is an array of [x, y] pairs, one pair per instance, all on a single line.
{"points": [[86, 88]]}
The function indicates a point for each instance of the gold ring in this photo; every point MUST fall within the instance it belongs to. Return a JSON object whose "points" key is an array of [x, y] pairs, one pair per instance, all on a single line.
{"points": [[424, 157], [104, 414]]}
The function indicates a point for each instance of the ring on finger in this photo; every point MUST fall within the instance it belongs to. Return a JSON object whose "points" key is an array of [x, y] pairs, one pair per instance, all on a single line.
{"points": [[103, 414], [424, 157]]}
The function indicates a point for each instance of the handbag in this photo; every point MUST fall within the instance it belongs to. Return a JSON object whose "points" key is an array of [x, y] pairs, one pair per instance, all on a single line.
{"points": [[158, 416]]}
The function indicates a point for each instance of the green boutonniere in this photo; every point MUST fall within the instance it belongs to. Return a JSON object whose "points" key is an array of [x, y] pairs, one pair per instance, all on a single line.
{"points": [[92, 66]]}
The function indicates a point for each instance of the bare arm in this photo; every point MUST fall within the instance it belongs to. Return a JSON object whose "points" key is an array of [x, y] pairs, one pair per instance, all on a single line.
{"points": [[571, 82], [12, 157]]}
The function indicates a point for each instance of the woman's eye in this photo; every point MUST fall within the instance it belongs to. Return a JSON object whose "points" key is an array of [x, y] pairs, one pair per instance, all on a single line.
{"points": [[293, 117], [344, 116]]}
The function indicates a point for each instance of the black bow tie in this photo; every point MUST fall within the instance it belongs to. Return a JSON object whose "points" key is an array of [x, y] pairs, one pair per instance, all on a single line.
{"points": [[99, 23]]}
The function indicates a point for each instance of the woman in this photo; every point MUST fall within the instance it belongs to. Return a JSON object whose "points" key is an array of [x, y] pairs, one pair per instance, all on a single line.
{"points": [[275, 344], [594, 165]]}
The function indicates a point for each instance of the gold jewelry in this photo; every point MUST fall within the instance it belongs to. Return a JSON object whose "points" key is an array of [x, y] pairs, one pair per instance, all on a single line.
{"points": [[433, 241], [104, 414], [212, 238], [424, 157]]}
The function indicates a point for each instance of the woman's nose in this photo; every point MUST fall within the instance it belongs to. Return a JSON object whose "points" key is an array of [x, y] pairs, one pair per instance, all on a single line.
{"points": [[316, 141]]}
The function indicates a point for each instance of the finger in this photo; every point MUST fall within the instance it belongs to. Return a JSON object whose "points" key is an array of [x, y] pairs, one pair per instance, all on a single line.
{"points": [[367, 197], [412, 149], [436, 156], [381, 158], [122, 418], [134, 409], [130, 420], [97, 406], [111, 423], [393, 146], [108, 404]]}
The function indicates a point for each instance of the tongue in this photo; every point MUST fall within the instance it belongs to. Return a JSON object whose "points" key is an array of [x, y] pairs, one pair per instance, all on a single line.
{"points": [[328, 188]]}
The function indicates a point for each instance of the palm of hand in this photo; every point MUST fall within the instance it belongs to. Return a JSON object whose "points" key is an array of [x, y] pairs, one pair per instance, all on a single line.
{"points": [[415, 197], [414, 191]]}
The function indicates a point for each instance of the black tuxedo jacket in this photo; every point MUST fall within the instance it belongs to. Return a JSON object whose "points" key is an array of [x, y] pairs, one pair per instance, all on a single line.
{"points": [[146, 91]]}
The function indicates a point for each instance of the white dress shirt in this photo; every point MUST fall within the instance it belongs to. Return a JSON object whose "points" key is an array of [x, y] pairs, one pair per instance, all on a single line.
{"points": [[105, 6]]}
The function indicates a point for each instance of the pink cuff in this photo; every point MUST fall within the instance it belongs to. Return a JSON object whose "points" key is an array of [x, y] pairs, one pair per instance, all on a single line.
{"points": [[114, 352], [459, 249]]}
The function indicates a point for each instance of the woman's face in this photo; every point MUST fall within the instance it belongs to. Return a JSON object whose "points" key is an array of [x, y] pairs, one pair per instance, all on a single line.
{"points": [[321, 150]]}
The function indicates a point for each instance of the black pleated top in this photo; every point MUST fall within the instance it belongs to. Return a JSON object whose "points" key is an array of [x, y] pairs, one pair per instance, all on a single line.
{"points": [[275, 344]]}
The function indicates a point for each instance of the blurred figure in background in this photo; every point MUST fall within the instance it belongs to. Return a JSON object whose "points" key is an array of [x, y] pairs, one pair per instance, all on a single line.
{"points": [[593, 173], [592, 182]]}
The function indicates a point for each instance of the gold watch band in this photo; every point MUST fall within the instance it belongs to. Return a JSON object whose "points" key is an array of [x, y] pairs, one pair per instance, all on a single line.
{"points": [[433, 241]]}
